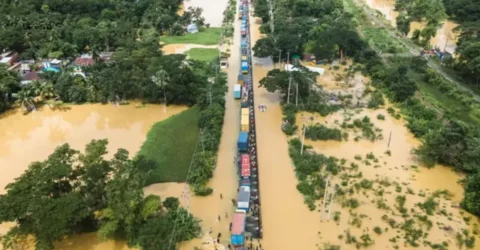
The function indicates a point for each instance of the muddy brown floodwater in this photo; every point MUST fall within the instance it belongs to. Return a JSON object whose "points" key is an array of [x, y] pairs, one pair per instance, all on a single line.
{"points": [[212, 10], [445, 36], [287, 222], [32, 137], [397, 169]]}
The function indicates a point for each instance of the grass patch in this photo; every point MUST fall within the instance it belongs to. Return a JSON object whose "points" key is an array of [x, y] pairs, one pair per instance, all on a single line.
{"points": [[203, 54], [383, 41], [171, 143], [209, 36]]}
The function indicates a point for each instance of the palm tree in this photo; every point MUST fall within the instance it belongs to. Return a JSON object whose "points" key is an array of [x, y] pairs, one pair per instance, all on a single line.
{"points": [[47, 91], [161, 79], [24, 98]]}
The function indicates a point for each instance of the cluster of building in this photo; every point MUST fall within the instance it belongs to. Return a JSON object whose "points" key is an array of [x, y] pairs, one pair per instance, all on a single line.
{"points": [[31, 70]]}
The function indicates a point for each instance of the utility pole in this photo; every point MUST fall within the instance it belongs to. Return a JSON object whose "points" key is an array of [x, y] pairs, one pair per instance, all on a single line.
{"points": [[289, 79], [289, 84], [303, 138], [389, 139], [288, 59], [279, 59], [296, 93], [324, 198]]}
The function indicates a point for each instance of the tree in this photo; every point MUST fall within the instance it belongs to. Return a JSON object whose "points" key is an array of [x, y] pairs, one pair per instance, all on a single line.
{"points": [[399, 84], [9, 83], [25, 99], [264, 47], [162, 80], [471, 199], [171, 203], [43, 201], [403, 23]]}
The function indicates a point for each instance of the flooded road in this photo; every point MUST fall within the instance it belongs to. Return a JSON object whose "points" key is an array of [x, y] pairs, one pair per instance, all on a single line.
{"points": [[225, 179], [445, 37], [212, 10], [287, 222]]}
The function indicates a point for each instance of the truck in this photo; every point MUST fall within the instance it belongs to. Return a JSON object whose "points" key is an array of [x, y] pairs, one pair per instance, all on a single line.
{"points": [[244, 67], [244, 51], [244, 123], [243, 44], [245, 168], [238, 228], [243, 199], [240, 79], [244, 102], [245, 182], [242, 142], [237, 91], [245, 111]]}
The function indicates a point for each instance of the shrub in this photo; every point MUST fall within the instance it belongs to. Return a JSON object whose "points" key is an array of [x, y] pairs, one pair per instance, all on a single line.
{"points": [[320, 132]]}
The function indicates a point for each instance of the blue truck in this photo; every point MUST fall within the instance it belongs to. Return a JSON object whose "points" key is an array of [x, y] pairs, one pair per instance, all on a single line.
{"points": [[242, 143], [244, 67], [238, 228]]}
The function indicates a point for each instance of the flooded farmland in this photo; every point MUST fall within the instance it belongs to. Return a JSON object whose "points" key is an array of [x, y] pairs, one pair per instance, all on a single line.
{"points": [[445, 37], [394, 174]]}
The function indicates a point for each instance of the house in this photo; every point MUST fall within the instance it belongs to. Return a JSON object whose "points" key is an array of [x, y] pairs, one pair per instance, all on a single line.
{"points": [[84, 60], [192, 28], [105, 56], [9, 58], [30, 77]]}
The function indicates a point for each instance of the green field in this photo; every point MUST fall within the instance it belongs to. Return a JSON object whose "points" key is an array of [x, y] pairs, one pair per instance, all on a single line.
{"points": [[171, 143], [209, 36], [201, 54]]}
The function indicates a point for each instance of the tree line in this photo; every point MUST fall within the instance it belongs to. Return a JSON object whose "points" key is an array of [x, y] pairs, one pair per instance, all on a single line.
{"points": [[72, 192]]}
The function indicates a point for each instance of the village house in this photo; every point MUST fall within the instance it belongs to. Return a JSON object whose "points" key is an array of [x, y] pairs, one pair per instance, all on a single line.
{"points": [[9, 58]]}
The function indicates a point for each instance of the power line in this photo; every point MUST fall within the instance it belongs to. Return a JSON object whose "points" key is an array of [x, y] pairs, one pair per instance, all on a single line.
{"points": [[186, 191]]}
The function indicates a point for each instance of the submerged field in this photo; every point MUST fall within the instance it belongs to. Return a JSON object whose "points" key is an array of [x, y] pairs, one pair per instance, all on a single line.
{"points": [[171, 144], [383, 198]]}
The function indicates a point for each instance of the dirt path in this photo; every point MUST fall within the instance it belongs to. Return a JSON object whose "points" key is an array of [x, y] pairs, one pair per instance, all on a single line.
{"points": [[287, 223]]}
